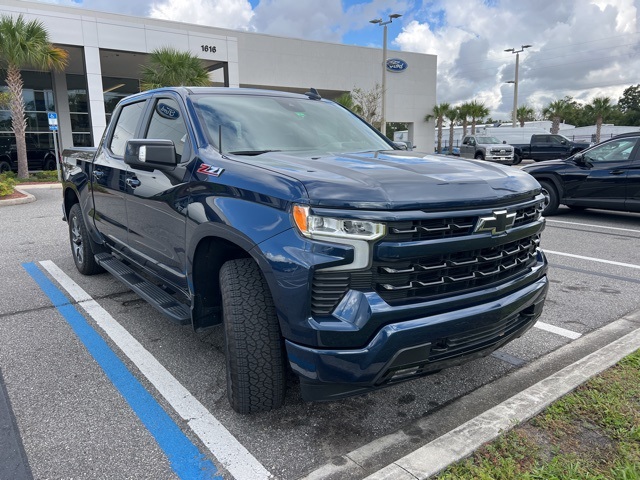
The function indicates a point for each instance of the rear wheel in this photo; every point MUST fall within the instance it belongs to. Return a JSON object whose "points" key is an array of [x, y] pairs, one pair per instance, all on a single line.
{"points": [[550, 193], [49, 163], [253, 344], [81, 245]]}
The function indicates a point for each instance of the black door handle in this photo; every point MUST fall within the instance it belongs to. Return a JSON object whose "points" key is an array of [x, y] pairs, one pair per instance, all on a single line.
{"points": [[132, 182]]}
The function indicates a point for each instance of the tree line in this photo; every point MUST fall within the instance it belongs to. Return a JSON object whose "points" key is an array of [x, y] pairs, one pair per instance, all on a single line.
{"points": [[567, 110]]}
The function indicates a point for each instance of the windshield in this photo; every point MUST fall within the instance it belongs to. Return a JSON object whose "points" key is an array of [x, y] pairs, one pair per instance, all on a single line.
{"points": [[250, 124], [488, 140]]}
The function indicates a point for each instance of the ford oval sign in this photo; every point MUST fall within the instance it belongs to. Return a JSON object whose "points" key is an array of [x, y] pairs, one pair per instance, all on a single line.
{"points": [[167, 112], [396, 65]]}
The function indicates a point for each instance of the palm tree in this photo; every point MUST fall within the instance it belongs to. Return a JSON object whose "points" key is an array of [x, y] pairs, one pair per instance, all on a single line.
{"points": [[600, 107], [477, 111], [169, 67], [453, 115], [24, 44], [439, 112], [525, 114], [556, 111], [464, 111]]}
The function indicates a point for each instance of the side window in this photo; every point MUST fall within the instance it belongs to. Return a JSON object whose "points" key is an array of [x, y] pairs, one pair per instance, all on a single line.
{"points": [[125, 127], [615, 150], [167, 123], [556, 140], [465, 141]]}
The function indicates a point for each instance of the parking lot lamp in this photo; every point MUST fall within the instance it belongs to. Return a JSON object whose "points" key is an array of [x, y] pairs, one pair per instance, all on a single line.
{"points": [[515, 82], [383, 122]]}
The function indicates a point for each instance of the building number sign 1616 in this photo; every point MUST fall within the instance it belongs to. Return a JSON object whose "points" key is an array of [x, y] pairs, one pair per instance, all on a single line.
{"points": [[208, 48]]}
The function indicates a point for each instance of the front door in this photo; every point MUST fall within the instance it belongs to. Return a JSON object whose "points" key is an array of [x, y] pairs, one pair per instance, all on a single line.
{"points": [[603, 179], [156, 200]]}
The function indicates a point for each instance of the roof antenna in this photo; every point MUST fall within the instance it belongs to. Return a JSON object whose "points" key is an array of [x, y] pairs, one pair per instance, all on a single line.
{"points": [[220, 138], [313, 94]]}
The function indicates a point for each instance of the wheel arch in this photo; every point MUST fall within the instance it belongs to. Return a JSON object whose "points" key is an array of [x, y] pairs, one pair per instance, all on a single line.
{"points": [[555, 181]]}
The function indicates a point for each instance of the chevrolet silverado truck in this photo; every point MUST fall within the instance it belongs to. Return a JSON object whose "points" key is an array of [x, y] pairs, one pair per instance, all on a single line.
{"points": [[484, 147], [546, 147], [318, 246]]}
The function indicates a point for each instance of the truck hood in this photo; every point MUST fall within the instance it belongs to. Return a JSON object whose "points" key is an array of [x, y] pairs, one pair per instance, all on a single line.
{"points": [[400, 179], [506, 146]]}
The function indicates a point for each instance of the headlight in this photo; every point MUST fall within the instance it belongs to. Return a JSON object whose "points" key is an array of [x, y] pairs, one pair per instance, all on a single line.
{"points": [[313, 226]]}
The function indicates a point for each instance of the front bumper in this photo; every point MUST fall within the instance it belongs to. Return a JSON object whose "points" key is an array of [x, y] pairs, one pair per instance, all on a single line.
{"points": [[499, 158], [417, 347]]}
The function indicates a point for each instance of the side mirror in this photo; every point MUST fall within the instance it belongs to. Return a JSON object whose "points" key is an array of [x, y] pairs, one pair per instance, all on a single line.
{"points": [[579, 158], [401, 145], [504, 141], [563, 142], [144, 154]]}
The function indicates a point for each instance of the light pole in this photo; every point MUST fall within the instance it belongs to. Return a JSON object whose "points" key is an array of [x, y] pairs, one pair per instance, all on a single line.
{"points": [[515, 82], [383, 121]]}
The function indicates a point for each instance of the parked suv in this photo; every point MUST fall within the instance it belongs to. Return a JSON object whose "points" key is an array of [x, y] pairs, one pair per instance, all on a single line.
{"points": [[38, 158], [605, 176], [482, 147]]}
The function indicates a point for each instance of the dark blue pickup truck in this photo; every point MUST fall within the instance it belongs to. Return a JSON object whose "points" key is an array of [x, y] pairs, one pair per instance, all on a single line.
{"points": [[546, 147], [317, 244]]}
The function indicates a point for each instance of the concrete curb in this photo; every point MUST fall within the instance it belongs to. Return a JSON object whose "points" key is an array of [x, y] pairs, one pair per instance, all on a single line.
{"points": [[487, 414], [18, 201], [29, 198]]}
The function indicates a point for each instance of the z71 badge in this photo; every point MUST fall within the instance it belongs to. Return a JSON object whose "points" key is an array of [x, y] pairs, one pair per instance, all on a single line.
{"points": [[210, 170]]}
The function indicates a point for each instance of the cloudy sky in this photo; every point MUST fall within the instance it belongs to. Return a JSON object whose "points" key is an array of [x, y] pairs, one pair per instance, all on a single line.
{"points": [[582, 48]]}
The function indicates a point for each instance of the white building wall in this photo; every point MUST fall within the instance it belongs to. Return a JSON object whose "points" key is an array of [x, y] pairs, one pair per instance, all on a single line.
{"points": [[252, 59]]}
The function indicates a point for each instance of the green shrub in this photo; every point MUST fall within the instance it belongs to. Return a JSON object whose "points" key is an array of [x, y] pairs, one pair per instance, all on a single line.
{"points": [[7, 183]]}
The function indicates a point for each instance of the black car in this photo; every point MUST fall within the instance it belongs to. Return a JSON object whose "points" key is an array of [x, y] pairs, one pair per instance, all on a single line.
{"points": [[605, 176], [38, 157]]}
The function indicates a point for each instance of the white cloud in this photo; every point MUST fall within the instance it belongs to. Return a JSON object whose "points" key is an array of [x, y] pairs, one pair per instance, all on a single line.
{"points": [[583, 49], [233, 14]]}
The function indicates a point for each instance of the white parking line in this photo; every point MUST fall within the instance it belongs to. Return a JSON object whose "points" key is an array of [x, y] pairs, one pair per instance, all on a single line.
{"points": [[557, 330], [593, 226], [599, 260], [222, 444]]}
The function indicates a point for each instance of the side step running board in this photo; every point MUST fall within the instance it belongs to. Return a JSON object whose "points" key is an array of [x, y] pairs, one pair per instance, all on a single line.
{"points": [[158, 298]]}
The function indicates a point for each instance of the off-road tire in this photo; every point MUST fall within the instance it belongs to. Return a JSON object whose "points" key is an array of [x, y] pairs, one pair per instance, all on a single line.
{"points": [[82, 248], [551, 197], [253, 343]]}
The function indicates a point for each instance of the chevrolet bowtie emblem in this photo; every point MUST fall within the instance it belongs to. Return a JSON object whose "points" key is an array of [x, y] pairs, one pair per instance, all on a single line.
{"points": [[498, 223]]}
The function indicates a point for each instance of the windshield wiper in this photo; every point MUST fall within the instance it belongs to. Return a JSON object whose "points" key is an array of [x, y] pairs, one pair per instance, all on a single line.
{"points": [[252, 152]]}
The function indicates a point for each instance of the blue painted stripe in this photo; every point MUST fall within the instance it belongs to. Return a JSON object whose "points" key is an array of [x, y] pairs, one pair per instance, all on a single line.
{"points": [[185, 458]]}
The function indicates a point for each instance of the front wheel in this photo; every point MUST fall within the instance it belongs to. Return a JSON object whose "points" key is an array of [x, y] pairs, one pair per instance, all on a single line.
{"points": [[551, 201], [253, 345], [516, 159], [479, 156], [4, 166], [81, 245]]}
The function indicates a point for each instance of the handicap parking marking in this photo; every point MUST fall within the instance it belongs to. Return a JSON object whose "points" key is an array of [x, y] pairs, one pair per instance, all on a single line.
{"points": [[231, 454], [185, 458]]}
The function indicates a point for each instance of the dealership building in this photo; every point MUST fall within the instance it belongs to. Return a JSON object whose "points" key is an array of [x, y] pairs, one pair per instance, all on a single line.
{"points": [[106, 52]]}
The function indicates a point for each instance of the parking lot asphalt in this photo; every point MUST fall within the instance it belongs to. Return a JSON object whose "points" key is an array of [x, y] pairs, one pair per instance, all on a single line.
{"points": [[74, 422]]}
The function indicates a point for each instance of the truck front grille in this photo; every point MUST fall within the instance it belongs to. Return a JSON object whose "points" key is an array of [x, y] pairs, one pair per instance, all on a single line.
{"points": [[428, 277]]}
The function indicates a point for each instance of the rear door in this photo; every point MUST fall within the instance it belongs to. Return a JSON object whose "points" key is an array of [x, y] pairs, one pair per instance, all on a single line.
{"points": [[109, 176], [603, 181], [156, 200]]}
